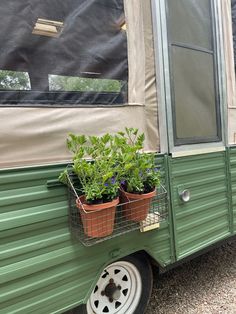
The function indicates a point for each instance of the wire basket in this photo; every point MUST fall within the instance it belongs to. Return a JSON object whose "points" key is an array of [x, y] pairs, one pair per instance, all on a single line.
{"points": [[93, 224]]}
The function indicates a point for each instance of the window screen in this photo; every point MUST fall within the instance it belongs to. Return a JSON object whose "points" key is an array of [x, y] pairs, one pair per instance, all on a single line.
{"points": [[195, 104], [63, 52]]}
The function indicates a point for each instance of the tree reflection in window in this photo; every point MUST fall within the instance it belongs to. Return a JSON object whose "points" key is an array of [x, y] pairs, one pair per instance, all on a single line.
{"points": [[68, 83], [12, 80]]}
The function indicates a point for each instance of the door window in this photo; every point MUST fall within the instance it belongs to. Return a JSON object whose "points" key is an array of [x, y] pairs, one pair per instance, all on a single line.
{"points": [[195, 100]]}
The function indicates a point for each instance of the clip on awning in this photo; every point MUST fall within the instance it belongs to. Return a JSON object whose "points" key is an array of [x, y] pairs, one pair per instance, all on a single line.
{"points": [[48, 28]]}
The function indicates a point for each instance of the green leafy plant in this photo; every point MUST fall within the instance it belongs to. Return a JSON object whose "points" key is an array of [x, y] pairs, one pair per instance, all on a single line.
{"points": [[105, 163], [138, 169], [95, 164]]}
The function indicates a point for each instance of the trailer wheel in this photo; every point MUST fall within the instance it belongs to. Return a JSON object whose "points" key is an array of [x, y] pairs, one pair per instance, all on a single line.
{"points": [[124, 287]]}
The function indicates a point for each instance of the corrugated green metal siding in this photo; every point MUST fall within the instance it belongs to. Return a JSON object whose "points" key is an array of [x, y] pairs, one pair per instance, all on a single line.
{"points": [[42, 269], [233, 183], [205, 219]]}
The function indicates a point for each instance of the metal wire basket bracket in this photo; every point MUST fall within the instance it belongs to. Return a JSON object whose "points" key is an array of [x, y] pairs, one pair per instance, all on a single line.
{"points": [[91, 227]]}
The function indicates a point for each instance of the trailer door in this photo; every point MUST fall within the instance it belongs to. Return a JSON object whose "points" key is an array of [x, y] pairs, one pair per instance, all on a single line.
{"points": [[193, 85]]}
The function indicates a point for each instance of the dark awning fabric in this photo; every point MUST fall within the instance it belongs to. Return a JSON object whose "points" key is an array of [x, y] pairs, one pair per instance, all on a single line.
{"points": [[91, 40], [233, 5]]}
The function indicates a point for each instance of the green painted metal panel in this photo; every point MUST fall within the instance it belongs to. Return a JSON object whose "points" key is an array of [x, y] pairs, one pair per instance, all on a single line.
{"points": [[233, 184], [206, 218], [43, 269]]}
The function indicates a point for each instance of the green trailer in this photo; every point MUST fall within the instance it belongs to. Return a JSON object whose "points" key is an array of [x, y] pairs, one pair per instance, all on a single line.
{"points": [[93, 67]]}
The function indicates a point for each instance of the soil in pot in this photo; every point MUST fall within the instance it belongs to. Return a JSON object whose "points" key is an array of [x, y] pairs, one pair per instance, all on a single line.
{"points": [[98, 220], [136, 206]]}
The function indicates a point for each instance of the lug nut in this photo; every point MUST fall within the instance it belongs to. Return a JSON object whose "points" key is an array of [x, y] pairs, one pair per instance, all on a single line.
{"points": [[103, 293], [119, 287], [111, 300], [111, 280]]}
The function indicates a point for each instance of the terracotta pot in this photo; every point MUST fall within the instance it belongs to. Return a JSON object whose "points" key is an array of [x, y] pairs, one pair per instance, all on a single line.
{"points": [[98, 220], [136, 206]]}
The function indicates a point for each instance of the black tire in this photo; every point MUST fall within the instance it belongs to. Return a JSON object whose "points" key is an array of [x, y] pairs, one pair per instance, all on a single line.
{"points": [[142, 264]]}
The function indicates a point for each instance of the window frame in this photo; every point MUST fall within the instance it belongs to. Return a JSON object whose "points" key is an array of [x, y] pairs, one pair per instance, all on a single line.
{"points": [[55, 99], [213, 52], [167, 145]]}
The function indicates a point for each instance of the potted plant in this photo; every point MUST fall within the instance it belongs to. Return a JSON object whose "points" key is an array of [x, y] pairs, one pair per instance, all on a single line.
{"points": [[140, 175], [95, 164]]}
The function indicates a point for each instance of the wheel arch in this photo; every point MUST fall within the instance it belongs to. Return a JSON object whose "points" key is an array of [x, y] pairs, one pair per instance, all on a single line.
{"points": [[139, 254]]}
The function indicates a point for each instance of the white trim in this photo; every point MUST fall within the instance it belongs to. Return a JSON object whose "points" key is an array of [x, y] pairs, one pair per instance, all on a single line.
{"points": [[199, 151], [161, 73], [36, 165], [221, 70]]}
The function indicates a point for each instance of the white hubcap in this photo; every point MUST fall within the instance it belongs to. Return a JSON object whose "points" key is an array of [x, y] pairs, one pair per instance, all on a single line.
{"points": [[118, 290]]}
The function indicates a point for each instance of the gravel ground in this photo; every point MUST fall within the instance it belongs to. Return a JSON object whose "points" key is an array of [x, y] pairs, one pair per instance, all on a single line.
{"points": [[207, 284]]}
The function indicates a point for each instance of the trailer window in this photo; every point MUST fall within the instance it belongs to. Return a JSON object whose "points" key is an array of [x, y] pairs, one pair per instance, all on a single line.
{"points": [[195, 103], [57, 52]]}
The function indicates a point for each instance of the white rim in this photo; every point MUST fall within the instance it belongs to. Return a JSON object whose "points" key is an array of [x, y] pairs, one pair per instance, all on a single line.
{"points": [[125, 281]]}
